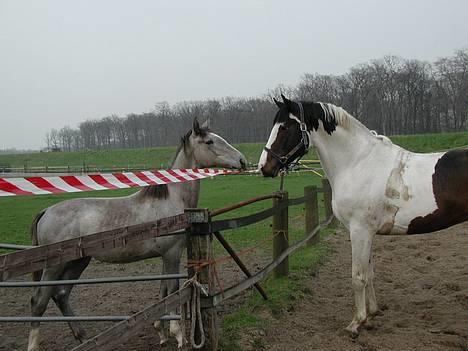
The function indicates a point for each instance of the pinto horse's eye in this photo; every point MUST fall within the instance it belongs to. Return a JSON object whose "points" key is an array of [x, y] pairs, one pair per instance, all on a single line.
{"points": [[283, 128], [209, 142]]}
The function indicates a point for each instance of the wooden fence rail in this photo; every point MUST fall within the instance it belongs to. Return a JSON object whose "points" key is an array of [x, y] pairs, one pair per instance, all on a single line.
{"points": [[37, 258]]}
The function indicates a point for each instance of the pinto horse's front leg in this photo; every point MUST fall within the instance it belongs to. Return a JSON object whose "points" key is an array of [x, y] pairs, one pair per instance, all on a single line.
{"points": [[372, 306], [361, 243]]}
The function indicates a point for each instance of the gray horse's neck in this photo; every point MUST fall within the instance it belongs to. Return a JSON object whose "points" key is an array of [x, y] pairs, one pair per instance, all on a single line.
{"points": [[189, 191]]}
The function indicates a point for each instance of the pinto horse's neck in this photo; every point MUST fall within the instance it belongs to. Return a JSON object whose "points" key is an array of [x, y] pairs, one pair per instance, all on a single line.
{"points": [[343, 148]]}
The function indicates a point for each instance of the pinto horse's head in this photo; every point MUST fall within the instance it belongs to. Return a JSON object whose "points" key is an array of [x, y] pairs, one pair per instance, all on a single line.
{"points": [[290, 136]]}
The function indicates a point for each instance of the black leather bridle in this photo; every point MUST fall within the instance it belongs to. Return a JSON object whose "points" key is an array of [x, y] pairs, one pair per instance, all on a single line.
{"points": [[287, 159]]}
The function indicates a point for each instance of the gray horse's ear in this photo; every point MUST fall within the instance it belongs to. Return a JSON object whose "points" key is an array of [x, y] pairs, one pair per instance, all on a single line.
{"points": [[278, 103], [205, 124], [196, 127], [289, 104]]}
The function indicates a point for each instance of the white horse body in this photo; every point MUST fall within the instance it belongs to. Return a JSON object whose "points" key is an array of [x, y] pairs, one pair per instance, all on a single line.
{"points": [[397, 183], [378, 187]]}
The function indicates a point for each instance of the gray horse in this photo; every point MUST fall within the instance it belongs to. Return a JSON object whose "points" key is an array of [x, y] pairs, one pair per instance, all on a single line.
{"points": [[199, 148]]}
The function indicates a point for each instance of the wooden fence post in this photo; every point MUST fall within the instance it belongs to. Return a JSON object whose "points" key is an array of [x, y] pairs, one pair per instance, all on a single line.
{"points": [[199, 249], [327, 199], [281, 236], [311, 212]]}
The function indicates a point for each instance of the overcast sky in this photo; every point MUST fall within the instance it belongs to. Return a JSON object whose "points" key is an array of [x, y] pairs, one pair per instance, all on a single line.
{"points": [[62, 62]]}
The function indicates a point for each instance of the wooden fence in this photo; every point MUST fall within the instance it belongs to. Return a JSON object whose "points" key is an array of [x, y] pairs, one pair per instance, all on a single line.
{"points": [[200, 228]]}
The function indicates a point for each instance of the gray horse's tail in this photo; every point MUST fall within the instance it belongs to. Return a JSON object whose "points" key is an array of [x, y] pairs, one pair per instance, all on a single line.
{"points": [[37, 275]]}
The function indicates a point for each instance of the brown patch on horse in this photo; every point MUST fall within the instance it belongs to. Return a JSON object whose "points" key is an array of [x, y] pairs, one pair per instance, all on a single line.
{"points": [[396, 188], [154, 192], [450, 187]]}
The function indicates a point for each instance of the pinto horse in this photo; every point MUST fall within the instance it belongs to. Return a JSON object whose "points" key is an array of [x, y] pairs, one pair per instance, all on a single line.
{"points": [[378, 187]]}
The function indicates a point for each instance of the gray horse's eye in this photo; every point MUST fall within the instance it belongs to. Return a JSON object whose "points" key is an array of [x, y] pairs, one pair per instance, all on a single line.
{"points": [[209, 142]]}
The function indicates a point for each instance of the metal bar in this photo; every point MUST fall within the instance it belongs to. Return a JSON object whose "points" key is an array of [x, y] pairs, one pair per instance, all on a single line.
{"points": [[169, 317], [108, 339], [15, 247], [27, 284], [241, 265], [63, 319], [242, 204]]}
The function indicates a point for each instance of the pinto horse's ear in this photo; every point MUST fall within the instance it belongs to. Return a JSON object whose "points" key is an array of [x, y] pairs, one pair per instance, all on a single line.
{"points": [[278, 103], [196, 127], [289, 104]]}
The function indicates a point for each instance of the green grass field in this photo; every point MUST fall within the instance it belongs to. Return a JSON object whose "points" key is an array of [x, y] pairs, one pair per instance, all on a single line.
{"points": [[162, 156]]}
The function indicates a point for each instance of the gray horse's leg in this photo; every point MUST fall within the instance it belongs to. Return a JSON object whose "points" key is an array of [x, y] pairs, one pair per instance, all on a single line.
{"points": [[159, 325], [172, 266], [39, 303], [61, 294]]}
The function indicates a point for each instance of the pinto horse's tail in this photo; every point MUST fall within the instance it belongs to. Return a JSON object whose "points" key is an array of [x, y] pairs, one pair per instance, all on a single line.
{"points": [[37, 275]]}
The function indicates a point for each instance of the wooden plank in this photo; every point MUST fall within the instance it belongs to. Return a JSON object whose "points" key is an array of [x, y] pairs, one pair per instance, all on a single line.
{"points": [[281, 234], [311, 212], [115, 335], [37, 258], [200, 249], [247, 283], [233, 223]]}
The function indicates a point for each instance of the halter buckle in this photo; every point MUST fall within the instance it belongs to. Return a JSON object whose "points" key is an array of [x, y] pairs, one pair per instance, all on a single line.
{"points": [[303, 127]]}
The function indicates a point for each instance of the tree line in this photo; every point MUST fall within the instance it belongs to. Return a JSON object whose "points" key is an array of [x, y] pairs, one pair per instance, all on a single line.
{"points": [[391, 95]]}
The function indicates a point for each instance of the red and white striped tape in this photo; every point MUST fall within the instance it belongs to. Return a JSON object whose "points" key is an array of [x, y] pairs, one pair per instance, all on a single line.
{"points": [[72, 184]]}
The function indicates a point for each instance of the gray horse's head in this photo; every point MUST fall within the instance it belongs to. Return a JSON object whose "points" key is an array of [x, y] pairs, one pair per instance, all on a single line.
{"points": [[211, 150]]}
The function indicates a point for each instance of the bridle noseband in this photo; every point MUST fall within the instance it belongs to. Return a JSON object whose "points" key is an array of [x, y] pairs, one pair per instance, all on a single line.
{"points": [[287, 159]]}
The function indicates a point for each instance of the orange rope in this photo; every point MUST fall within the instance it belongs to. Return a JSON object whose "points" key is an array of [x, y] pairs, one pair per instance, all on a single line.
{"points": [[198, 265]]}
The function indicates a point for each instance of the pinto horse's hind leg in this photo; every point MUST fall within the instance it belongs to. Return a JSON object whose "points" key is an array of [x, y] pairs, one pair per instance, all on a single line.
{"points": [[61, 294], [39, 303], [361, 243]]}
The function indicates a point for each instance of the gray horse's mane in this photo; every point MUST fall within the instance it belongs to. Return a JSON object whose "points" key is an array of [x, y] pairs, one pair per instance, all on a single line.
{"points": [[162, 191], [154, 192]]}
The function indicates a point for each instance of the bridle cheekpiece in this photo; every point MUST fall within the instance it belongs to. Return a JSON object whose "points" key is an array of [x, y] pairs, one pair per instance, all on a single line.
{"points": [[288, 160]]}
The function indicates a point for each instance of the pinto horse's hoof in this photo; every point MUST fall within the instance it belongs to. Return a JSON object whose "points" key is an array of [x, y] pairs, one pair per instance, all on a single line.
{"points": [[353, 334], [353, 329]]}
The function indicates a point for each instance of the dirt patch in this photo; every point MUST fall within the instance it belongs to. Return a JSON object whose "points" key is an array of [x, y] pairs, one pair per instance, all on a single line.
{"points": [[105, 299], [421, 284]]}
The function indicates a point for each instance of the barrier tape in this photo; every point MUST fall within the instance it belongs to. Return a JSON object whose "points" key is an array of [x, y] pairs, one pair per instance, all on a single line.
{"points": [[104, 181]]}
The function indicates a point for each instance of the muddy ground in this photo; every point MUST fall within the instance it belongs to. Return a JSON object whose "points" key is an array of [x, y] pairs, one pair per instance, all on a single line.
{"points": [[108, 299], [421, 284]]}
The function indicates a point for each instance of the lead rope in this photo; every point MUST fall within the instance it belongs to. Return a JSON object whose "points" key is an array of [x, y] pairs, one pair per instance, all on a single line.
{"points": [[195, 312]]}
